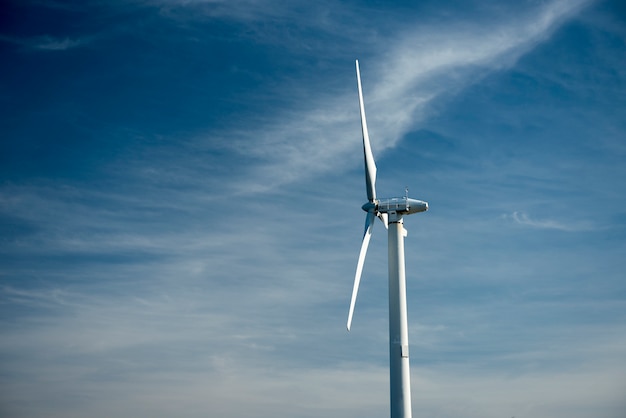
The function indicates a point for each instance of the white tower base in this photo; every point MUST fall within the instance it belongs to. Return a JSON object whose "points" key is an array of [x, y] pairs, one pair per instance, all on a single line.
{"points": [[399, 371]]}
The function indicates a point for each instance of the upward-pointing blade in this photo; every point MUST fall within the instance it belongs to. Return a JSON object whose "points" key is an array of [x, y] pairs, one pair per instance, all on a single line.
{"points": [[370, 164], [369, 223]]}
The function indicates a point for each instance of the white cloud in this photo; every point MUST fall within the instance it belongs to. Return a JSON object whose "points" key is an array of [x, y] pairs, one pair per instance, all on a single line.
{"points": [[47, 42], [57, 44], [522, 218], [422, 65], [184, 350], [475, 394]]}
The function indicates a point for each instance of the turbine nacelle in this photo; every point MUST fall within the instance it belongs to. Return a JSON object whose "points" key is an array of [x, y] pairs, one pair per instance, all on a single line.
{"points": [[400, 205]]}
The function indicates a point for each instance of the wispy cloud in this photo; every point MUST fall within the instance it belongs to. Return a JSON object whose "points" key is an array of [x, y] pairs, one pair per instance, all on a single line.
{"points": [[524, 219], [424, 65], [47, 42], [54, 44], [186, 345], [430, 61]]}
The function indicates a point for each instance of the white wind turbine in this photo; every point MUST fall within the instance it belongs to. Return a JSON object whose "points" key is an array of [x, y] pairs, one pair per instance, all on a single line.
{"points": [[390, 211]]}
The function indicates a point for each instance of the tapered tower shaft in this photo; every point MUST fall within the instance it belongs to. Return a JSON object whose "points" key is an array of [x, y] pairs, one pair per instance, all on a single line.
{"points": [[399, 370]]}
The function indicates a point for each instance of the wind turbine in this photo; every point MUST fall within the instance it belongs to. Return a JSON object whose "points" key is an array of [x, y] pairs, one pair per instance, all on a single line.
{"points": [[391, 212]]}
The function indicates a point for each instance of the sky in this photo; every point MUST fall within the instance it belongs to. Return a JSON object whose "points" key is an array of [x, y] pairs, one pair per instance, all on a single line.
{"points": [[180, 207]]}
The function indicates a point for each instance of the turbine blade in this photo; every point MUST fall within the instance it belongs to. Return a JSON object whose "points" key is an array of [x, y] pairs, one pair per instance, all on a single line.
{"points": [[369, 223], [370, 164], [384, 217]]}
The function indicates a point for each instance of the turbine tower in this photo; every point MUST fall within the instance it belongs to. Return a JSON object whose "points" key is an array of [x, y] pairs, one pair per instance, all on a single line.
{"points": [[390, 211]]}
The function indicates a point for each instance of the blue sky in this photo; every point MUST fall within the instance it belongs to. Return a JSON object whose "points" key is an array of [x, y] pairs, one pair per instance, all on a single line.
{"points": [[180, 195]]}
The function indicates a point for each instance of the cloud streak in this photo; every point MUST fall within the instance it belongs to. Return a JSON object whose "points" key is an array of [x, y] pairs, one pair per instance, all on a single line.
{"points": [[523, 219], [425, 65], [47, 42]]}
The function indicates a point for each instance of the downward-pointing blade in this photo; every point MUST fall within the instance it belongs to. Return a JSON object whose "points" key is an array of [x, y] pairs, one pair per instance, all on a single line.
{"points": [[384, 217], [370, 164], [369, 223]]}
